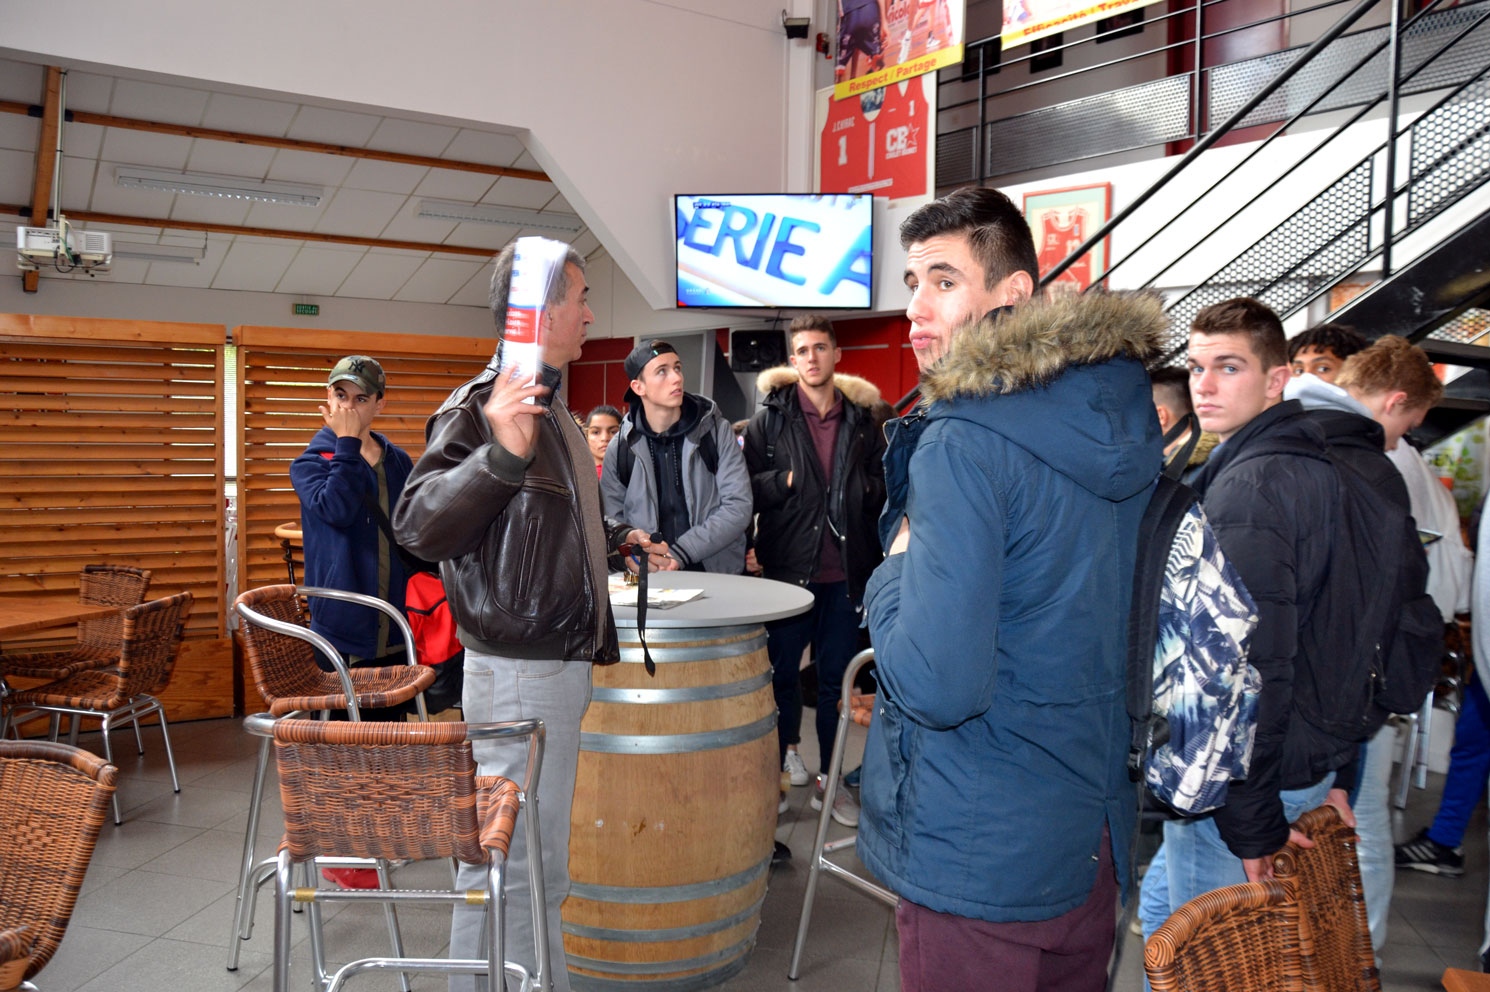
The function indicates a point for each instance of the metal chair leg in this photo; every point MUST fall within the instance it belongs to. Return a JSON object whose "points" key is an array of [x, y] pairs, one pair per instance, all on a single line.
{"points": [[822, 847], [243, 907]]}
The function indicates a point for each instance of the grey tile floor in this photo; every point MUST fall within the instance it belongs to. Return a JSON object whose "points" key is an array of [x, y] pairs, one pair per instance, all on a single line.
{"points": [[158, 899]]}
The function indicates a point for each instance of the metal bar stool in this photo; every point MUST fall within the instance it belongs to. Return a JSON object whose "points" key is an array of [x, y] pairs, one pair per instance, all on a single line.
{"points": [[402, 790], [822, 847], [281, 653]]}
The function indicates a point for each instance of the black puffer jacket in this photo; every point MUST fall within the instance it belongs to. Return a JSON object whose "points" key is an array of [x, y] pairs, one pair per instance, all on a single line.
{"points": [[1270, 493], [789, 536]]}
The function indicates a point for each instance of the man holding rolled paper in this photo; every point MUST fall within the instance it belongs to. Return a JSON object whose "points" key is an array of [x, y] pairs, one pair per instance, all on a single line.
{"points": [[505, 497]]}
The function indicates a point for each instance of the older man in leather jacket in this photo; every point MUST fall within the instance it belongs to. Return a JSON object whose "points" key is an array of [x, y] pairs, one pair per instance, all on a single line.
{"points": [[505, 498]]}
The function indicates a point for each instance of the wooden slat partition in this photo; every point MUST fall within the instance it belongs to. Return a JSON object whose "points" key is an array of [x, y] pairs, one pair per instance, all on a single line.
{"points": [[281, 381], [109, 453]]}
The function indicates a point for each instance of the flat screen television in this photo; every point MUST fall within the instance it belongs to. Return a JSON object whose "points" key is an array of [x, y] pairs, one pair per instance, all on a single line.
{"points": [[776, 250]]}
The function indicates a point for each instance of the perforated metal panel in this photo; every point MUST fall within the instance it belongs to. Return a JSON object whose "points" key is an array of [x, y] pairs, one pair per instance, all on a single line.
{"points": [[1450, 151], [1230, 86], [1324, 238], [954, 157], [1133, 117], [1469, 327]]}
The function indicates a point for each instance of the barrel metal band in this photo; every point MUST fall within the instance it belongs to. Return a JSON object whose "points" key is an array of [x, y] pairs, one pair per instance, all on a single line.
{"points": [[687, 983], [708, 740], [660, 967], [712, 650], [669, 933], [670, 893], [693, 694]]}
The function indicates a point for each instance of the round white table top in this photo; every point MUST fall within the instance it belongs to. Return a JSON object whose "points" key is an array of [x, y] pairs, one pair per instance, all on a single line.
{"points": [[727, 600]]}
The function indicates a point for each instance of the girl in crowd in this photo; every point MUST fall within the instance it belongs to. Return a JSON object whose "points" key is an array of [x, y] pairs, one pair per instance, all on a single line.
{"points": [[601, 424]]}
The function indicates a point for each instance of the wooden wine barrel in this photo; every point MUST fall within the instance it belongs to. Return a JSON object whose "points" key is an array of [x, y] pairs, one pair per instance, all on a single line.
{"points": [[674, 812]]}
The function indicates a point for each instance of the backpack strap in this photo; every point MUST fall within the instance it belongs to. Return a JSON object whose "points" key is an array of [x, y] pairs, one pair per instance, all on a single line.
{"points": [[1175, 466], [1161, 521], [624, 459], [708, 450], [772, 424]]}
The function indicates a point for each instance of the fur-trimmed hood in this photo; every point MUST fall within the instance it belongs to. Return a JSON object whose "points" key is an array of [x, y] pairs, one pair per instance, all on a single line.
{"points": [[854, 389], [1065, 381], [1018, 349]]}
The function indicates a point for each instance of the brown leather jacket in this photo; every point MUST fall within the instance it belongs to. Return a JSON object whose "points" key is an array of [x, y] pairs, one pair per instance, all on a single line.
{"points": [[510, 538]]}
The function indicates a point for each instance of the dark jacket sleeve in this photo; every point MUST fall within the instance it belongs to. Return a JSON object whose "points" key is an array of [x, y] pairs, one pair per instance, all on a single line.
{"points": [[461, 483], [767, 483], [1257, 535], [942, 674], [330, 489]]}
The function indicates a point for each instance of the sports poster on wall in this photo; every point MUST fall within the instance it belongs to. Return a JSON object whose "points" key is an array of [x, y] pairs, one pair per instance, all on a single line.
{"points": [[1060, 220], [881, 142], [1026, 20], [889, 41]]}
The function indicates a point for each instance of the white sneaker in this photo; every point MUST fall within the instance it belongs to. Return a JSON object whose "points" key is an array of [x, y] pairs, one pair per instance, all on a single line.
{"points": [[794, 767], [783, 806], [845, 806]]}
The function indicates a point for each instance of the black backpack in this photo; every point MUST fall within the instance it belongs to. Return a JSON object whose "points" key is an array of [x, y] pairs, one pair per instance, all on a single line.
{"points": [[1372, 647]]}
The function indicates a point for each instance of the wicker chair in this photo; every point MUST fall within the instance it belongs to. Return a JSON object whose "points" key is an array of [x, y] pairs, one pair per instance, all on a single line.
{"points": [[98, 640], [281, 652], [410, 790], [55, 798], [1239, 937], [125, 691], [1327, 878]]}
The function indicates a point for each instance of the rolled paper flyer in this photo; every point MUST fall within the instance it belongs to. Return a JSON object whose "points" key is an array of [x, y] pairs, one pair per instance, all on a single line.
{"points": [[536, 263]]}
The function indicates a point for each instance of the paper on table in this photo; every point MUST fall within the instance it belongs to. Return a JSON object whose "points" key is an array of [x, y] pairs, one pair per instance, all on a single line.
{"points": [[624, 595]]}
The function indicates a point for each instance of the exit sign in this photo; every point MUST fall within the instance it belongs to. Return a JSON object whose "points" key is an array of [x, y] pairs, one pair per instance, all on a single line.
{"points": [[307, 309]]}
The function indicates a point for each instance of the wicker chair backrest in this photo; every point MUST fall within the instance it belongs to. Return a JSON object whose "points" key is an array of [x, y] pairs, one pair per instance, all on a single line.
{"points": [[1332, 903], [378, 790], [55, 801], [282, 667], [152, 639], [1239, 937], [109, 585]]}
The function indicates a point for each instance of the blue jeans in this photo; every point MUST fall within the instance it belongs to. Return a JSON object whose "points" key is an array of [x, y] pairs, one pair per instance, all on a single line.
{"points": [[832, 628], [1373, 827], [1469, 764], [558, 693], [1194, 859]]}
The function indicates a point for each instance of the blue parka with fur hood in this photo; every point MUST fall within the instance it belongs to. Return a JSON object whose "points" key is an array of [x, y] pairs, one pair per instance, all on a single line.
{"points": [[998, 748]]}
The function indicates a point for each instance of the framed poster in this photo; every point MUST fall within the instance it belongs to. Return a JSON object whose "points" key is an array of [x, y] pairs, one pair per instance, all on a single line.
{"points": [[881, 142], [1060, 220], [886, 41]]}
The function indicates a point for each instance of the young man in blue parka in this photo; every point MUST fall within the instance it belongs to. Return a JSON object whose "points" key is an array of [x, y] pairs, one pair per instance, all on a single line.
{"points": [[996, 799], [346, 471]]}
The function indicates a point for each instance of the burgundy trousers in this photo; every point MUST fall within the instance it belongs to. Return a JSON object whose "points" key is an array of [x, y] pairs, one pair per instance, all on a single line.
{"points": [[940, 952]]}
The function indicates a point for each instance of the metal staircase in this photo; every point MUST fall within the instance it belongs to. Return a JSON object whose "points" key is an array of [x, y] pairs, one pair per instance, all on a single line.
{"points": [[1353, 223]]}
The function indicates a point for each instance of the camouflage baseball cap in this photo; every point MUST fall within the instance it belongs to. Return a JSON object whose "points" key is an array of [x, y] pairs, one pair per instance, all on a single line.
{"points": [[364, 371]]}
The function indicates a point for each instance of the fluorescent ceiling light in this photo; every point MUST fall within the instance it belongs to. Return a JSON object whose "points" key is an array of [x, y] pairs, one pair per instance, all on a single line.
{"points": [[159, 253], [490, 213], [228, 187]]}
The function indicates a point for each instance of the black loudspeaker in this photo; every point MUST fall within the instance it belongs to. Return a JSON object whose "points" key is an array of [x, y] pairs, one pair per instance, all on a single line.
{"points": [[753, 351]]}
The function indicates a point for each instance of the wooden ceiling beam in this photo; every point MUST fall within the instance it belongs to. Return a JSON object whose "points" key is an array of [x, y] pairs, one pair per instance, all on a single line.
{"points": [[93, 217], [46, 163], [240, 138]]}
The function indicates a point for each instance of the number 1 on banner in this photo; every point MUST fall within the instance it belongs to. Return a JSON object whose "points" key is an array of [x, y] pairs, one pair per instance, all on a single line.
{"points": [[870, 146]]}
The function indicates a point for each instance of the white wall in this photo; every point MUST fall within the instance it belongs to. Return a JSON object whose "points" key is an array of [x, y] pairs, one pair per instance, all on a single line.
{"points": [[626, 101]]}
